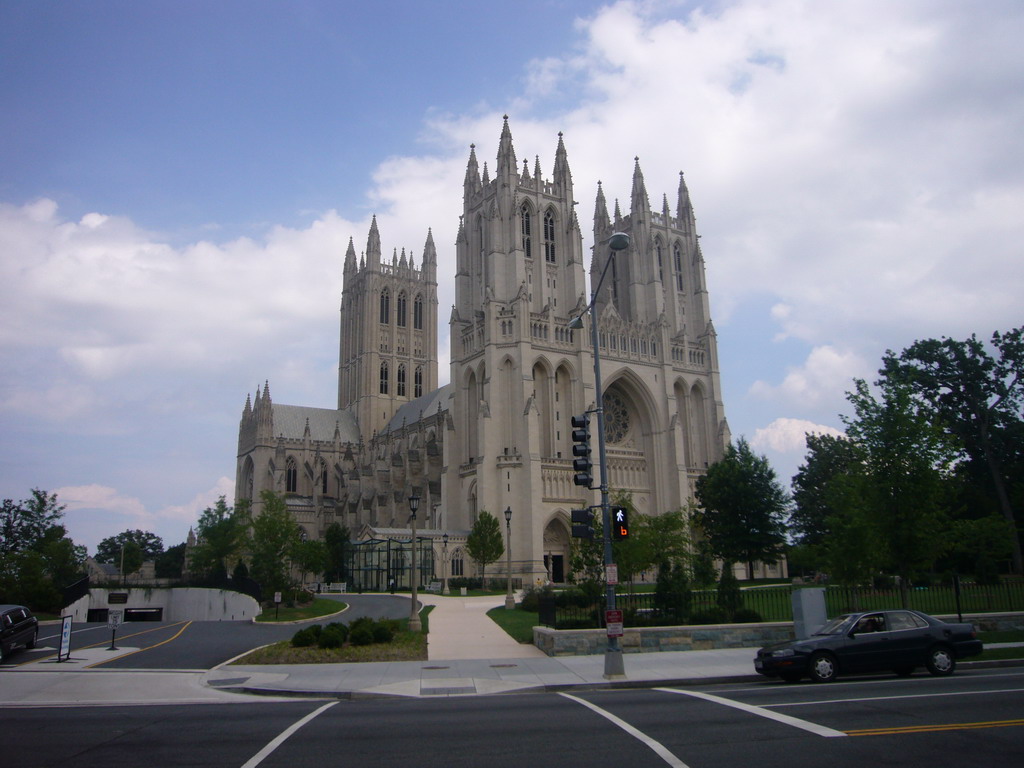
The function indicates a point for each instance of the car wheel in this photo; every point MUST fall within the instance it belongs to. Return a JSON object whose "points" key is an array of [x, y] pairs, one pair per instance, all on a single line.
{"points": [[941, 661], [4, 651], [791, 677], [32, 643], [904, 671], [823, 668]]}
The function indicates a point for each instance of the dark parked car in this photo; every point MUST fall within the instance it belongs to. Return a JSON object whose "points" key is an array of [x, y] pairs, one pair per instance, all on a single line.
{"points": [[872, 641], [17, 627]]}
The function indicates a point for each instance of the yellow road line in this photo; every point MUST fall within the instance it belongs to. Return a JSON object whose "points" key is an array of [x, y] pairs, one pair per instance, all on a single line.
{"points": [[139, 650], [104, 642], [934, 728]]}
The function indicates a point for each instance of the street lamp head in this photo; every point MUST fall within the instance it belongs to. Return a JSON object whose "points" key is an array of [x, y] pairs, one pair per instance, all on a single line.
{"points": [[619, 241], [576, 323], [508, 514], [444, 539], [414, 504]]}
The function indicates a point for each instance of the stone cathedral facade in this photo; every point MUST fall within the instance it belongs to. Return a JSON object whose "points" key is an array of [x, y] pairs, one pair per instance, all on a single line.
{"points": [[497, 435]]}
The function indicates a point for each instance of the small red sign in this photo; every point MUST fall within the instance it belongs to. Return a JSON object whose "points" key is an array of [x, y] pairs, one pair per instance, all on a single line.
{"points": [[613, 622]]}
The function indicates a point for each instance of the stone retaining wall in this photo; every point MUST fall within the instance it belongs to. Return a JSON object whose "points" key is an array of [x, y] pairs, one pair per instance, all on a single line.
{"points": [[586, 642]]}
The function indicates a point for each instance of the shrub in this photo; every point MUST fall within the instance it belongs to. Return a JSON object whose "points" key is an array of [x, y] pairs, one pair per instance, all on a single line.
{"points": [[382, 633], [361, 635], [333, 636], [729, 598], [746, 616], [307, 636], [709, 616]]}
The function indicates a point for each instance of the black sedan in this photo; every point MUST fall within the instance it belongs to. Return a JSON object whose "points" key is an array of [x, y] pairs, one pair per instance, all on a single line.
{"points": [[873, 641]]}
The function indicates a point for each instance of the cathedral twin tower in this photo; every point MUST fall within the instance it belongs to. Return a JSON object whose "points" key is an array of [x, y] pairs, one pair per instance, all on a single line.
{"points": [[498, 436]]}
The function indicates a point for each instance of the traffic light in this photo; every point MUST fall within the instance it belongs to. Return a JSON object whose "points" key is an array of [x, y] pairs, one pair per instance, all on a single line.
{"points": [[620, 523], [582, 523], [581, 463]]}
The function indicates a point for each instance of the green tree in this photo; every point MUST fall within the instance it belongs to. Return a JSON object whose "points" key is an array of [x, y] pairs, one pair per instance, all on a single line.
{"points": [[729, 596], [309, 556], [171, 562], [743, 508], [977, 396], [828, 457], [902, 489], [220, 535], [274, 535], [338, 540], [484, 545], [149, 545], [672, 595], [23, 524]]}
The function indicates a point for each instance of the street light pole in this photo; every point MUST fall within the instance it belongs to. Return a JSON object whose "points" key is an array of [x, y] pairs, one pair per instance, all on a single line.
{"points": [[510, 602], [619, 241], [414, 614], [444, 558]]}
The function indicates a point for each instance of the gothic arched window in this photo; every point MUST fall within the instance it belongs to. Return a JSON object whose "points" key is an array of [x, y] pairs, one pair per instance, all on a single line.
{"points": [[417, 312], [400, 381], [400, 310], [385, 306], [417, 382], [524, 217], [323, 477], [549, 237], [657, 248], [383, 378], [291, 476], [677, 256]]}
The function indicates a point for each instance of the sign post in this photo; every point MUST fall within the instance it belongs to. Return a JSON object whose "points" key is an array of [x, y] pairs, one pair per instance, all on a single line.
{"points": [[64, 653], [277, 605], [114, 618]]}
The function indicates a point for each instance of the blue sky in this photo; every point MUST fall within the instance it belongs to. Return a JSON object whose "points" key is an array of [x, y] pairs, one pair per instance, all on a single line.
{"points": [[178, 182]]}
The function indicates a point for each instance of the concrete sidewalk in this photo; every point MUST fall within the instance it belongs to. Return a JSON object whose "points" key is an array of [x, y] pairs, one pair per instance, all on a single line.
{"points": [[467, 653]]}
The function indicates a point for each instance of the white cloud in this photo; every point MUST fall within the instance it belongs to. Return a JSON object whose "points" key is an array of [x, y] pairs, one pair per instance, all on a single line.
{"points": [[826, 372], [786, 435], [103, 498]]}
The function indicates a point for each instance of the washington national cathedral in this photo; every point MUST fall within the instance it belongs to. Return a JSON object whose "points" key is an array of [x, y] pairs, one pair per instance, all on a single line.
{"points": [[498, 435]]}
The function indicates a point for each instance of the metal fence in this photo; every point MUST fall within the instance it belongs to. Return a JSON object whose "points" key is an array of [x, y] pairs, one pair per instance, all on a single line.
{"points": [[775, 604]]}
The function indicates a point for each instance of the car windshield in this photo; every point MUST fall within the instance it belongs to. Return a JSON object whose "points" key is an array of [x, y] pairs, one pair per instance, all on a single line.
{"points": [[835, 627]]}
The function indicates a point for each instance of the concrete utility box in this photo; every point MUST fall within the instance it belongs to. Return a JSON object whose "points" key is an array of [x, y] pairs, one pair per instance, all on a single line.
{"points": [[809, 613]]}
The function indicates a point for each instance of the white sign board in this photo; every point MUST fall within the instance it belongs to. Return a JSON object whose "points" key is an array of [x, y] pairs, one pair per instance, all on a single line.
{"points": [[65, 638], [115, 616], [611, 573], [277, 597]]}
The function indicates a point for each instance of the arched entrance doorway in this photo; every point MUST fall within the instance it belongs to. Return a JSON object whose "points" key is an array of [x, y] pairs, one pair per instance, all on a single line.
{"points": [[556, 551]]}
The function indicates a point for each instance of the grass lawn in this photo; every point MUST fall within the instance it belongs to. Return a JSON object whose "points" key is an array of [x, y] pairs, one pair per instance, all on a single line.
{"points": [[406, 646], [518, 624], [319, 607]]}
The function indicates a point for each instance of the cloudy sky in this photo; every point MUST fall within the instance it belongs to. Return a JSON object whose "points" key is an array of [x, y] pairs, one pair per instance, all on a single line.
{"points": [[179, 180]]}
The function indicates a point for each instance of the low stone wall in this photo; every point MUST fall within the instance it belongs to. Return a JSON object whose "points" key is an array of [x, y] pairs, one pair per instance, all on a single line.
{"points": [[179, 604], [585, 642]]}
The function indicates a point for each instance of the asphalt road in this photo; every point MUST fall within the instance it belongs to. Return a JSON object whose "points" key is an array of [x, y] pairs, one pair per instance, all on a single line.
{"points": [[973, 718], [200, 644]]}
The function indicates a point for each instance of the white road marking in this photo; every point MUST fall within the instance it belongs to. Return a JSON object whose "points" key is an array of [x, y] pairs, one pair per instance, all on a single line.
{"points": [[892, 698], [656, 746], [262, 755], [814, 728]]}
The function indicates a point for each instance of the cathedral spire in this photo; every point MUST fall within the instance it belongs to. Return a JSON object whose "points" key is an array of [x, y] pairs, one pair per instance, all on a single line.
{"points": [[373, 245], [601, 222], [350, 258], [472, 183], [536, 170], [506, 153], [561, 175], [684, 210], [639, 204]]}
